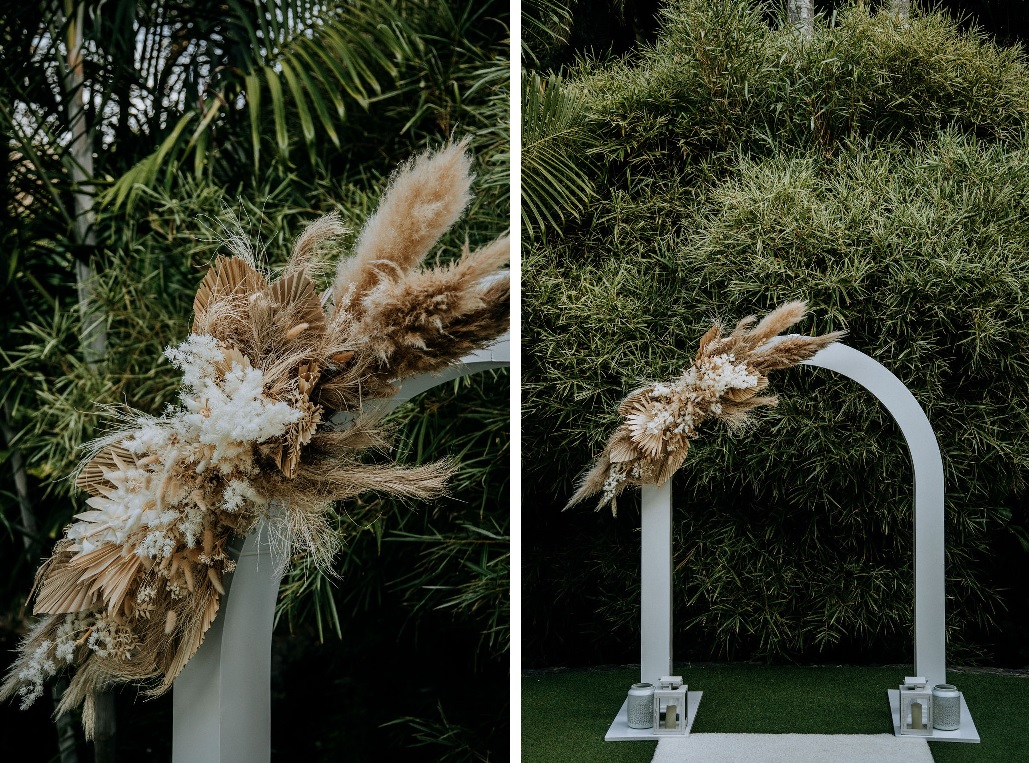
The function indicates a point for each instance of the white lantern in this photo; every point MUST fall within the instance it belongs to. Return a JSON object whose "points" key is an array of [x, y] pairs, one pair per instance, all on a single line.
{"points": [[670, 706], [916, 707]]}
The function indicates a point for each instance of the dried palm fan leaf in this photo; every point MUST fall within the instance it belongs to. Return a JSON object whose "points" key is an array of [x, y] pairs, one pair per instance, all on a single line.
{"points": [[132, 589], [723, 382]]}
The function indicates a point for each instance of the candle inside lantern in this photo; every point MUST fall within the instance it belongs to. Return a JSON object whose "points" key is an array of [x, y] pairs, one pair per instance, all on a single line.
{"points": [[916, 716], [671, 716]]}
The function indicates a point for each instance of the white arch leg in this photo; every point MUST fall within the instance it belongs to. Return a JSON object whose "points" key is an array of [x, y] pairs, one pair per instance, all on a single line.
{"points": [[656, 592], [221, 702], [927, 463]]}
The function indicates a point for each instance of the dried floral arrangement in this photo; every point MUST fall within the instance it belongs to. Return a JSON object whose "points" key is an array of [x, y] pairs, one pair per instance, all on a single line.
{"points": [[137, 580], [723, 382]]}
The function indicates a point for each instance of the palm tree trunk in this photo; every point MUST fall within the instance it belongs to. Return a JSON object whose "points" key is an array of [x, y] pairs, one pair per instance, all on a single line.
{"points": [[93, 336], [801, 14]]}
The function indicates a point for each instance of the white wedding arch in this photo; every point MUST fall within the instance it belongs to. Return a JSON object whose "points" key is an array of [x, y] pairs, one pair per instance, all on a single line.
{"points": [[930, 660]]}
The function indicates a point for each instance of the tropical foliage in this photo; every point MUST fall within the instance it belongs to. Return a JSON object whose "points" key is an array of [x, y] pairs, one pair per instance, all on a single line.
{"points": [[878, 171], [273, 114]]}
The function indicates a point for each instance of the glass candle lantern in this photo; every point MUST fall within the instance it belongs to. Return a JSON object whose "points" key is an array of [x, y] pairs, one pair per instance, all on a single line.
{"points": [[946, 707], [916, 707], [670, 706], [641, 706]]}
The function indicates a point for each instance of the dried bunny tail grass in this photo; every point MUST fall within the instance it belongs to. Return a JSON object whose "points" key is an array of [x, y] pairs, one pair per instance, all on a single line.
{"points": [[426, 196], [315, 240], [194, 617], [287, 316], [592, 482], [790, 350]]}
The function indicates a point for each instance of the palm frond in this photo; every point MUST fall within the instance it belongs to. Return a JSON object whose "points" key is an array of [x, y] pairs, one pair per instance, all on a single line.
{"points": [[556, 182]]}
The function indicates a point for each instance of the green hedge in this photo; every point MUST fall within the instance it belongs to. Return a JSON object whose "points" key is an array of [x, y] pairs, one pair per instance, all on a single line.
{"points": [[879, 171]]}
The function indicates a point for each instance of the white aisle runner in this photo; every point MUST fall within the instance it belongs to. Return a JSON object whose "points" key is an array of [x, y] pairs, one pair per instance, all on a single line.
{"points": [[792, 748]]}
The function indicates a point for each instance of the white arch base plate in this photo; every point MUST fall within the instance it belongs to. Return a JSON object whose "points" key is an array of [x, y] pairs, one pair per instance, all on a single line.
{"points": [[967, 733], [620, 731]]}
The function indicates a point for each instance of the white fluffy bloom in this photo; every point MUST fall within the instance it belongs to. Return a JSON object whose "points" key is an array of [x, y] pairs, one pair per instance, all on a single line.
{"points": [[64, 644], [156, 545], [720, 373], [615, 477], [237, 492], [102, 637], [191, 523], [234, 415], [32, 677], [196, 358], [154, 436], [230, 413]]}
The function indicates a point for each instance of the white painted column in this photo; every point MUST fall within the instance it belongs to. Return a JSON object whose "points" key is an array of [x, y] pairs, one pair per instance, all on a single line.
{"points": [[221, 702], [656, 575]]}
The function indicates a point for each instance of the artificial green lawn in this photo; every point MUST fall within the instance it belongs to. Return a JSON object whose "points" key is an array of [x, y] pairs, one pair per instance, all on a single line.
{"points": [[566, 713]]}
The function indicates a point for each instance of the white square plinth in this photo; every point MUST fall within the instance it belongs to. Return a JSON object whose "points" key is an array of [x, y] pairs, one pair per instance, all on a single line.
{"points": [[620, 731], [967, 732]]}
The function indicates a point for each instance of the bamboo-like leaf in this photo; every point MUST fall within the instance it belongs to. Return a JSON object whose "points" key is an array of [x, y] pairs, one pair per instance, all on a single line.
{"points": [[307, 53], [303, 113], [143, 172], [201, 128], [313, 92]]}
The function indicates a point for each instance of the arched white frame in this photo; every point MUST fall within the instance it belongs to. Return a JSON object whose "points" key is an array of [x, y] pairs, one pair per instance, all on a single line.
{"points": [[930, 634], [221, 702]]}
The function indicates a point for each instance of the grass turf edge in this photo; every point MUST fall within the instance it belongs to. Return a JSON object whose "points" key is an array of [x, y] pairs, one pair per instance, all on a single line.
{"points": [[565, 713]]}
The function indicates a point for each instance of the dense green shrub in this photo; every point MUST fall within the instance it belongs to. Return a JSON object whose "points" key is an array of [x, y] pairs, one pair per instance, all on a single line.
{"points": [[878, 171]]}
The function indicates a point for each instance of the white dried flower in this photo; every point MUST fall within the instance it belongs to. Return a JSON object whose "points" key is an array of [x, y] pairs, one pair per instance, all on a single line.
{"points": [[226, 414], [237, 493], [130, 505], [38, 671]]}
